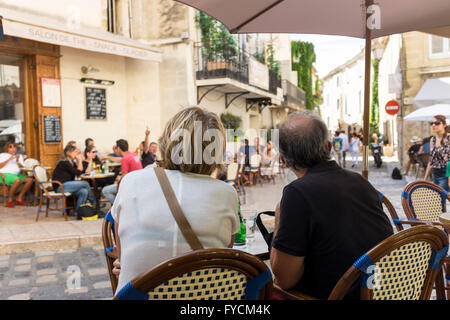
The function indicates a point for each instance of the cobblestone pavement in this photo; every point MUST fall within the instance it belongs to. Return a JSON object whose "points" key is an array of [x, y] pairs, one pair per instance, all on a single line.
{"points": [[53, 275], [63, 275]]}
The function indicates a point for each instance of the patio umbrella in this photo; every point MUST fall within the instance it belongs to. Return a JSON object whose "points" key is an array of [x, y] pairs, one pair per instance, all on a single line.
{"points": [[17, 128], [354, 18], [428, 113]]}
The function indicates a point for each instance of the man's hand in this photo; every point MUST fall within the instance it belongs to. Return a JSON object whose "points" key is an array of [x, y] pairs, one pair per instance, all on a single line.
{"points": [[147, 132], [17, 158], [116, 268]]}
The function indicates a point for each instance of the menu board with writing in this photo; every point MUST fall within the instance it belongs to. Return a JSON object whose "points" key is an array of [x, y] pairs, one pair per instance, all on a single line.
{"points": [[52, 129], [95, 104]]}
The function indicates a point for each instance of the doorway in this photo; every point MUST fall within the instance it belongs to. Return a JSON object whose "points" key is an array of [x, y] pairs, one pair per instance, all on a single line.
{"points": [[12, 101]]}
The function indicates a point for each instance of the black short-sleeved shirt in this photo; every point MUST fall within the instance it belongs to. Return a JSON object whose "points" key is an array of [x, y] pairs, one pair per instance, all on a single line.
{"points": [[414, 149], [147, 158], [330, 216]]}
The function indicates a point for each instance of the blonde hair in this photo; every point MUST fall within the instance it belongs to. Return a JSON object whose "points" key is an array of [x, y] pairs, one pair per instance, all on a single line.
{"points": [[185, 120]]}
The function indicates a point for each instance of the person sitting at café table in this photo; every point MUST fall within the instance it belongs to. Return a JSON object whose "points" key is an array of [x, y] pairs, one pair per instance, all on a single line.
{"points": [[90, 154], [147, 152], [147, 231], [66, 171], [129, 163], [327, 218], [89, 142], [78, 151], [10, 165], [413, 151]]}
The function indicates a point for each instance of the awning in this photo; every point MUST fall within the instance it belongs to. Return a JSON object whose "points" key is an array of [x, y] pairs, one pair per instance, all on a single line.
{"points": [[40, 29], [433, 91]]}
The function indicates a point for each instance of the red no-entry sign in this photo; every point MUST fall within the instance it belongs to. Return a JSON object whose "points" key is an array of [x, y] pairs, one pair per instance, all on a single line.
{"points": [[392, 107]]}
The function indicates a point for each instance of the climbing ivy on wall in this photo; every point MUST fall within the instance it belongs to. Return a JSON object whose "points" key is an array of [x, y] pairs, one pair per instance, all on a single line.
{"points": [[304, 56], [374, 118]]}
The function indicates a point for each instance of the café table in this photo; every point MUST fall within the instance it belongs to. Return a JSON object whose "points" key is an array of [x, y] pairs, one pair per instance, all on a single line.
{"points": [[256, 246], [93, 176], [445, 218]]}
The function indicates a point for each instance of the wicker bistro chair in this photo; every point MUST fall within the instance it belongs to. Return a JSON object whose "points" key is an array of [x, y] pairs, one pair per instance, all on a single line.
{"points": [[401, 267], [234, 178], [46, 191], [209, 274], [391, 210], [109, 242], [255, 169], [423, 203]]}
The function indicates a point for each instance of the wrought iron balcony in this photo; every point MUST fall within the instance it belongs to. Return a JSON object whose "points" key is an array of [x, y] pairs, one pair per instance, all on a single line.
{"points": [[227, 61], [293, 95]]}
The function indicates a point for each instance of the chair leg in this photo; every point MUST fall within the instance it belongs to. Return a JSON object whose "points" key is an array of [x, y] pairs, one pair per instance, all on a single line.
{"points": [[440, 290], [41, 200], [5, 194], [48, 204], [64, 207]]}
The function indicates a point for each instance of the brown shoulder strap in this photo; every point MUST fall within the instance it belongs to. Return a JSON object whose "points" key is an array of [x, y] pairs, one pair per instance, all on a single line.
{"points": [[176, 210]]}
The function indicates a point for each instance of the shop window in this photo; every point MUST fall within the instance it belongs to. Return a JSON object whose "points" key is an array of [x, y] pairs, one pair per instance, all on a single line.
{"points": [[439, 47], [11, 101]]}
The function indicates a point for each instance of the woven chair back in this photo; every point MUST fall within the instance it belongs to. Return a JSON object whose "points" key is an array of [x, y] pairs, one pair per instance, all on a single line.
{"points": [[424, 201], [402, 267], [209, 274]]}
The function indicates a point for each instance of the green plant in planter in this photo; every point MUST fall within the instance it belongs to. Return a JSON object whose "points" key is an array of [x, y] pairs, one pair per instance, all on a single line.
{"points": [[218, 43], [231, 121]]}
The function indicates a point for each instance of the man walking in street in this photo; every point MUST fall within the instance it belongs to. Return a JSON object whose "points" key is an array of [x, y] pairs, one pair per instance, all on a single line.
{"points": [[345, 146], [337, 147]]}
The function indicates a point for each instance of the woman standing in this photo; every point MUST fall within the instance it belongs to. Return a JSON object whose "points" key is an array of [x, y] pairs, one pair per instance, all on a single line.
{"points": [[66, 171], [354, 149], [439, 152]]}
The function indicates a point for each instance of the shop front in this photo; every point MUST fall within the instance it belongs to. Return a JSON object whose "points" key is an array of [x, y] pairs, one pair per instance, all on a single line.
{"points": [[49, 96]]}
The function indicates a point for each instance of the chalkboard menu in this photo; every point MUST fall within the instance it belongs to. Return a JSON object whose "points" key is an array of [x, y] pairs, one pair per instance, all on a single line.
{"points": [[95, 104], [52, 129]]}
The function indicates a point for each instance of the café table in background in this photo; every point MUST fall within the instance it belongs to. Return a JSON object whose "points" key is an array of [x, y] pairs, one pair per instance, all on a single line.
{"points": [[96, 191]]}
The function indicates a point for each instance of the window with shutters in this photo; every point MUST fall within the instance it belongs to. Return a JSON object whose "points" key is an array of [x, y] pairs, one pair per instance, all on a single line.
{"points": [[439, 47]]}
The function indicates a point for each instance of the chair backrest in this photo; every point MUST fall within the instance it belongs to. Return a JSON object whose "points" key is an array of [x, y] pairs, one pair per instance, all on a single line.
{"points": [[401, 267], [232, 171], [255, 160], [30, 163], [109, 241], [40, 174], [424, 201], [209, 274], [391, 210]]}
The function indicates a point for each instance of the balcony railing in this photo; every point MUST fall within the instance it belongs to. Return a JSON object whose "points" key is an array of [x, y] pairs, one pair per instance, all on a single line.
{"points": [[293, 95], [227, 61]]}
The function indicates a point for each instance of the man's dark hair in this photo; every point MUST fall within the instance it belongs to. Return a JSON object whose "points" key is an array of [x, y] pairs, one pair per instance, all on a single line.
{"points": [[246, 142], [122, 144], [86, 142], [303, 141]]}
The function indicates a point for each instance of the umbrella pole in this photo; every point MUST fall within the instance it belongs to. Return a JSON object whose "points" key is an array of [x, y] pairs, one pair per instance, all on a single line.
{"points": [[368, 66]]}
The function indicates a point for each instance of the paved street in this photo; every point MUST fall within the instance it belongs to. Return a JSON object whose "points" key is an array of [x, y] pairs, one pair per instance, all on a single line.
{"points": [[46, 275]]}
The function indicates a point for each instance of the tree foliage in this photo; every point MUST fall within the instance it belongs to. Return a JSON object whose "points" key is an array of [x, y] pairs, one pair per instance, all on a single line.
{"points": [[374, 117], [303, 56]]}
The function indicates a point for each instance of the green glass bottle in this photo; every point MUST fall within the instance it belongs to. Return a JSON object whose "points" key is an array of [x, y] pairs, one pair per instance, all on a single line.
{"points": [[239, 238]]}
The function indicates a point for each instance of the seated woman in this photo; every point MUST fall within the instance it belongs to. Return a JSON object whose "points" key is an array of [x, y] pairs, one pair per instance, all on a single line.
{"points": [[147, 232], [10, 165], [66, 171], [91, 158], [267, 161]]}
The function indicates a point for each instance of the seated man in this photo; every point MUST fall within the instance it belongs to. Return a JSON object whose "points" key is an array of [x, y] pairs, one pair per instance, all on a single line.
{"points": [[130, 162], [10, 165], [327, 218], [413, 151]]}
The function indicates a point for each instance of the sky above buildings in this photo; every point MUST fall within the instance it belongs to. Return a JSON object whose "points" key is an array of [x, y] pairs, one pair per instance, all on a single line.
{"points": [[331, 51]]}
